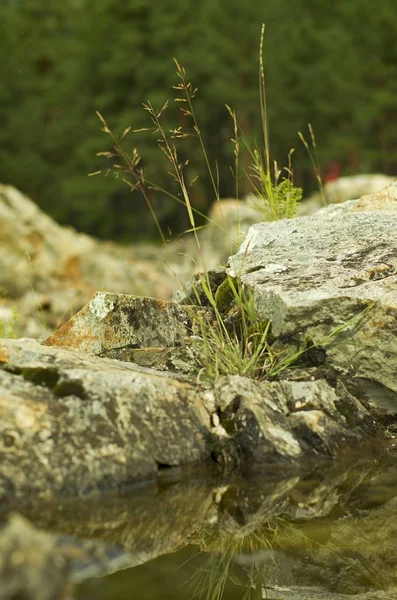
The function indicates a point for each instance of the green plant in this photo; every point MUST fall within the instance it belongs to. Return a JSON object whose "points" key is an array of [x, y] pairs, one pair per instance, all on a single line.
{"points": [[311, 149], [230, 338], [227, 336], [8, 324], [275, 194]]}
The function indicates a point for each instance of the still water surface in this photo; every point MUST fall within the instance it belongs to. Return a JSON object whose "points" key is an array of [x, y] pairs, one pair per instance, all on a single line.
{"points": [[329, 532]]}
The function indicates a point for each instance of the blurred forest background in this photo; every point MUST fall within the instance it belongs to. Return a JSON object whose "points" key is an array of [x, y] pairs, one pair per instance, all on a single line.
{"points": [[329, 63]]}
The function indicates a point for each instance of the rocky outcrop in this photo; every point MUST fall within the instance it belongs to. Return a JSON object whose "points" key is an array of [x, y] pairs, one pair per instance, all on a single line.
{"points": [[47, 272], [332, 272], [73, 423], [112, 397]]}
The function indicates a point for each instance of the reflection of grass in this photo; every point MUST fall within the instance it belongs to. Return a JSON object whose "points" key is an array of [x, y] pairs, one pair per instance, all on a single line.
{"points": [[247, 561], [220, 565]]}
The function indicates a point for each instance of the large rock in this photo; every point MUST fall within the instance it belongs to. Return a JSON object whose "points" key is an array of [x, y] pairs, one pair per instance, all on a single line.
{"points": [[47, 272], [74, 424], [37, 253], [314, 275]]}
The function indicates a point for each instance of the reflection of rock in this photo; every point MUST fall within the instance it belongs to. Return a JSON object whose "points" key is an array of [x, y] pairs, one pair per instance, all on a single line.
{"points": [[142, 524], [249, 521], [31, 566]]}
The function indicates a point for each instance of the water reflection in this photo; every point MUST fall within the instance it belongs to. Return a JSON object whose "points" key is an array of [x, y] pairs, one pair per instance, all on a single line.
{"points": [[328, 532]]}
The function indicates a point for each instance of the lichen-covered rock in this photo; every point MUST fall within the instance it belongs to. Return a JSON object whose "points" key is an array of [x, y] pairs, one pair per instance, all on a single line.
{"points": [[275, 421], [146, 331], [75, 424], [312, 275]]}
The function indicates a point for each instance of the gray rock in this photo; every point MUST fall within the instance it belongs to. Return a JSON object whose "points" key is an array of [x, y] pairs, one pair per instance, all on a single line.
{"points": [[275, 421], [312, 275], [77, 424], [344, 189], [146, 331]]}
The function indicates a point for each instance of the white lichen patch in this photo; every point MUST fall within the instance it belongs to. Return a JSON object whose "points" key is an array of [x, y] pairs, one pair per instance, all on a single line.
{"points": [[272, 268], [286, 440], [101, 305]]}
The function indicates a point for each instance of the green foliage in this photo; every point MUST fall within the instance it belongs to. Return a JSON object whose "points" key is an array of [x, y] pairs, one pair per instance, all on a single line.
{"points": [[229, 338], [8, 325], [332, 64], [278, 197]]}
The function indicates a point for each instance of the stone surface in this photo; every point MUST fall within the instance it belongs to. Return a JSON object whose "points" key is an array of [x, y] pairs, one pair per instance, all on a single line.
{"points": [[343, 189], [312, 275], [56, 270], [275, 421], [146, 331], [75, 424]]}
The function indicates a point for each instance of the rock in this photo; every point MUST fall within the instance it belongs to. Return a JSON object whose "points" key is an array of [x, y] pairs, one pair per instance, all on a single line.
{"points": [[49, 272], [143, 330], [57, 270], [343, 189], [37, 253], [314, 275], [74, 424], [275, 421], [385, 199]]}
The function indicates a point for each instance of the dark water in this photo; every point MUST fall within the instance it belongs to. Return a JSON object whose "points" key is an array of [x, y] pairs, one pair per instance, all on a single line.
{"points": [[329, 531]]}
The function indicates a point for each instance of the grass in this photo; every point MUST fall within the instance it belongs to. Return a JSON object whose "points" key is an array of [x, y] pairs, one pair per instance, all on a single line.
{"points": [[8, 325], [227, 335]]}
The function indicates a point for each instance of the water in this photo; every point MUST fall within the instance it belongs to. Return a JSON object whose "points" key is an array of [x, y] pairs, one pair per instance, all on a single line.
{"points": [[329, 531]]}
